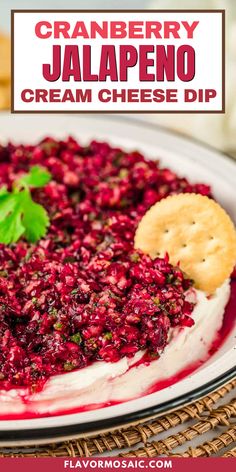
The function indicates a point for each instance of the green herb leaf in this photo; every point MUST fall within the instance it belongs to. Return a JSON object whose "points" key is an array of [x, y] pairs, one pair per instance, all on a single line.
{"points": [[8, 203], [11, 228], [37, 177], [58, 326], [3, 191], [35, 218], [69, 366], [108, 335], [19, 214], [76, 338]]}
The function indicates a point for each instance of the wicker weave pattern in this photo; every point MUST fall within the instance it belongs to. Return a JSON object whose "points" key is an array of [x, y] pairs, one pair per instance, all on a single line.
{"points": [[219, 416], [205, 415], [211, 447], [231, 453]]}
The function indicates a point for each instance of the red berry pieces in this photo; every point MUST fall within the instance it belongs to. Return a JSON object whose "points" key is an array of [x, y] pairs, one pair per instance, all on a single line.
{"points": [[83, 293]]}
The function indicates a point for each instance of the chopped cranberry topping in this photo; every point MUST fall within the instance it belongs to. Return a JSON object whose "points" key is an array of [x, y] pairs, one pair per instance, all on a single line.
{"points": [[83, 293]]}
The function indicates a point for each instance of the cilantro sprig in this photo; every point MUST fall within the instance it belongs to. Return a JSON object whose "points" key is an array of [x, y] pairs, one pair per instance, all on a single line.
{"points": [[19, 214]]}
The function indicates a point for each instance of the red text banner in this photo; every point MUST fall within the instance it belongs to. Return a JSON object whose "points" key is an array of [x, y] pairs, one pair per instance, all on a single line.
{"points": [[117, 464]]}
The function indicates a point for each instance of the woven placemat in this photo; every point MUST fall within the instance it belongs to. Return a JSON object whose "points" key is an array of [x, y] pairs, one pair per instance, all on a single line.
{"points": [[215, 412]]}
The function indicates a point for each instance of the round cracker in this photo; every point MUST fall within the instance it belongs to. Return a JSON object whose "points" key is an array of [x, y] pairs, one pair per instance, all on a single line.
{"points": [[5, 58], [196, 233]]}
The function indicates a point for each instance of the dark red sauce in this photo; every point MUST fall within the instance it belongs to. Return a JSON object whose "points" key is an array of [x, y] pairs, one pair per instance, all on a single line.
{"points": [[224, 332]]}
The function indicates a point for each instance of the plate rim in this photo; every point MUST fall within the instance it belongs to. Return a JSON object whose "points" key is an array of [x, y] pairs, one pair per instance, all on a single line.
{"points": [[56, 432]]}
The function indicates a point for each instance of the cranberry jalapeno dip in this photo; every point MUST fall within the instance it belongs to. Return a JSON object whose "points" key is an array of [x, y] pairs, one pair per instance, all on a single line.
{"points": [[83, 294]]}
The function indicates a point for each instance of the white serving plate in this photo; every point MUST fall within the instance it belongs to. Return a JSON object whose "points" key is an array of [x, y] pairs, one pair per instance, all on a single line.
{"points": [[188, 158]]}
